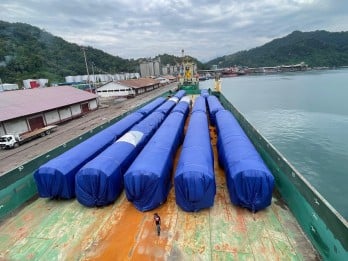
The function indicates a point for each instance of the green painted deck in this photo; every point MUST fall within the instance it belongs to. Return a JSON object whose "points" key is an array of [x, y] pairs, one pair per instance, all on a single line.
{"points": [[65, 230]]}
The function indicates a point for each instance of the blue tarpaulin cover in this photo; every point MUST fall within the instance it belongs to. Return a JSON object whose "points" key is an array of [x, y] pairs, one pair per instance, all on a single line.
{"points": [[214, 106], [194, 179], [180, 94], [200, 104], [148, 180], [56, 178], [181, 107], [249, 181], [205, 93], [148, 108], [100, 181]]}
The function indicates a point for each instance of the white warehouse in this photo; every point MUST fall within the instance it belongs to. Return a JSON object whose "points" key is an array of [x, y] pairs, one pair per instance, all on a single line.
{"points": [[23, 111]]}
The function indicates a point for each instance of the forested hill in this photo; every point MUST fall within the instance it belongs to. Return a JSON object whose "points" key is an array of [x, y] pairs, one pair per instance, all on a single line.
{"points": [[318, 48], [29, 52]]}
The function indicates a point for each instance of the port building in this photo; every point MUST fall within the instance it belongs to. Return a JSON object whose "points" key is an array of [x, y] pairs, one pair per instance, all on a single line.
{"points": [[127, 88], [101, 78], [8, 86], [23, 111], [115, 89]]}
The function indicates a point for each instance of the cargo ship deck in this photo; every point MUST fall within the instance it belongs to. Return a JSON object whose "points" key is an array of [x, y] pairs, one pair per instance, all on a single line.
{"points": [[65, 230]]}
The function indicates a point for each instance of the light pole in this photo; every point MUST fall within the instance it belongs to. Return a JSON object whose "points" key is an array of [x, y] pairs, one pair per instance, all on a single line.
{"points": [[84, 54], [93, 73]]}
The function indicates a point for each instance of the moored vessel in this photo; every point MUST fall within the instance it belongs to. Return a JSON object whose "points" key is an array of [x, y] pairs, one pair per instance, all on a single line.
{"points": [[188, 77]]}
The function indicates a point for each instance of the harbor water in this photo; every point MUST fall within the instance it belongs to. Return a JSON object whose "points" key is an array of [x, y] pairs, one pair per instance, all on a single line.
{"points": [[305, 116]]}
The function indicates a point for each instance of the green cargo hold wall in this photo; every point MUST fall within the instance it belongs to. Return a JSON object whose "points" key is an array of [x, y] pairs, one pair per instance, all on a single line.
{"points": [[326, 229], [17, 186]]}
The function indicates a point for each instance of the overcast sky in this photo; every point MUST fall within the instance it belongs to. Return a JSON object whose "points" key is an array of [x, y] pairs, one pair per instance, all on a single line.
{"points": [[204, 29]]}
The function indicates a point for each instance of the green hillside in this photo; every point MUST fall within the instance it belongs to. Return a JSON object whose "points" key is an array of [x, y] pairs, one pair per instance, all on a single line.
{"points": [[318, 48], [28, 52]]}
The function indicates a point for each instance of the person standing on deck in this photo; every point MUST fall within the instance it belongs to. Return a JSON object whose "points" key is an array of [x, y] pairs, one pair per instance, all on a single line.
{"points": [[157, 220]]}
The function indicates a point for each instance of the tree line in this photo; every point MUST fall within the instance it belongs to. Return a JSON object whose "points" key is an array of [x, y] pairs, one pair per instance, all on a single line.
{"points": [[29, 52], [316, 49]]}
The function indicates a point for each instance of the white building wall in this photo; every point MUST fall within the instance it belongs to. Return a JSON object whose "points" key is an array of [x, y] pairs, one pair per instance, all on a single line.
{"points": [[69, 78], [114, 89], [93, 104], [65, 113], [8, 86], [85, 78], [43, 82], [93, 78], [144, 70], [2, 131], [77, 78], [164, 70], [151, 69], [16, 126], [51, 117], [26, 84], [107, 78], [75, 109], [156, 68]]}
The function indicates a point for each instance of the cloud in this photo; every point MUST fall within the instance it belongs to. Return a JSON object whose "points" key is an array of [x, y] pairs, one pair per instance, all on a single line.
{"points": [[205, 29]]}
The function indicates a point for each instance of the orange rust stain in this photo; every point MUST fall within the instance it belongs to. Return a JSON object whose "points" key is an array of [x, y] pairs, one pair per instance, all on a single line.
{"points": [[28, 217], [120, 237], [133, 236], [240, 220]]}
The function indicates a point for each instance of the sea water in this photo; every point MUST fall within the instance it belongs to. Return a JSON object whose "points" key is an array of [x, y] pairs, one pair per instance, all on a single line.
{"points": [[305, 116]]}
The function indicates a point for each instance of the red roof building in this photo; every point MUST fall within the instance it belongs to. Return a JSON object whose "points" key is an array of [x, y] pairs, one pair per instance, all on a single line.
{"points": [[25, 110], [141, 85]]}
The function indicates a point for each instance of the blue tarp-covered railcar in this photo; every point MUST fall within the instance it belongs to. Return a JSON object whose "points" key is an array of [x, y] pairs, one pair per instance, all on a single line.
{"points": [[56, 178], [249, 181], [147, 181], [100, 181], [194, 179], [214, 106]]}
